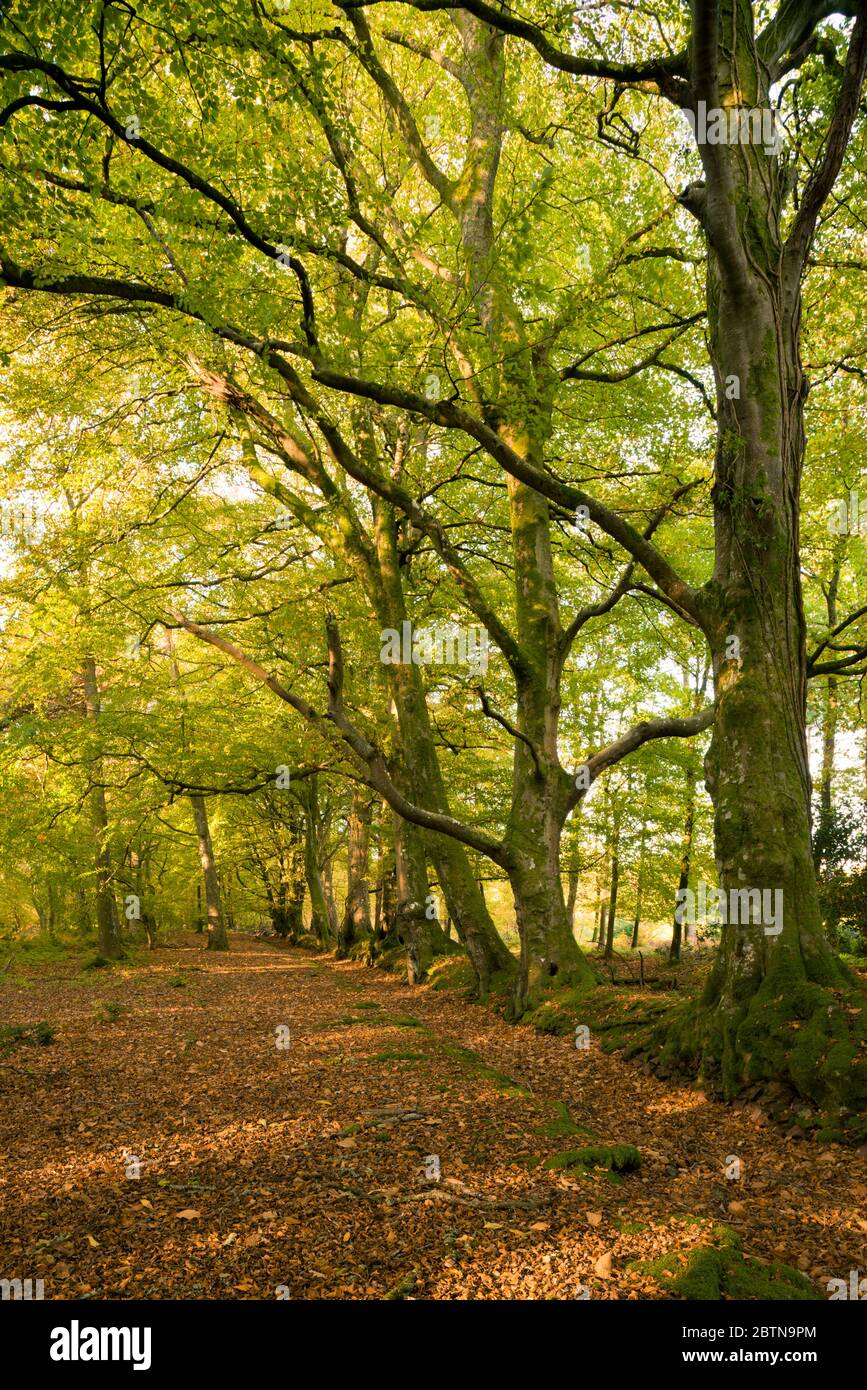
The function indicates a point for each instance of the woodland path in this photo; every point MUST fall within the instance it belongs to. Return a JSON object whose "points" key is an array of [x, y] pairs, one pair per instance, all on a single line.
{"points": [[305, 1167]]}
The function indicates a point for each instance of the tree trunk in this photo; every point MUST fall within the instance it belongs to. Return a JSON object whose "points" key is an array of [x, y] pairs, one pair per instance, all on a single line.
{"points": [[639, 887], [574, 875], [107, 920], [327, 874], [539, 786], [318, 906], [829, 737], [612, 901], [355, 924], [767, 973], [421, 935], [143, 889], [685, 866], [217, 937], [466, 905]]}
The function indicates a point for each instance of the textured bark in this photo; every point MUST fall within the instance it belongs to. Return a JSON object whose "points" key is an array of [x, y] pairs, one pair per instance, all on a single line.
{"points": [[107, 919], [612, 901], [756, 768], [639, 889], [466, 905], [218, 939], [421, 936], [685, 864], [318, 906], [829, 734], [572, 896], [355, 925]]}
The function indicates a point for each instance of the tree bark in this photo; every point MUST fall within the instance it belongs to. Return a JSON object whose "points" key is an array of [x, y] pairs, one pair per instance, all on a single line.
{"points": [[685, 865], [756, 768], [107, 920], [466, 905], [355, 925], [612, 901], [421, 936], [639, 887], [218, 939]]}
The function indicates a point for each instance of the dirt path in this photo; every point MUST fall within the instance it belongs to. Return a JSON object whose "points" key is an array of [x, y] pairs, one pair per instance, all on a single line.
{"points": [[311, 1167]]}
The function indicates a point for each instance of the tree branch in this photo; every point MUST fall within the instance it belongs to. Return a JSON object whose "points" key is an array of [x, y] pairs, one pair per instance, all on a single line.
{"points": [[365, 754]]}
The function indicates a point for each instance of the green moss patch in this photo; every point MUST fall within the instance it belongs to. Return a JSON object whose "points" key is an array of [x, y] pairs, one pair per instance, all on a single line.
{"points": [[719, 1269], [810, 1036], [562, 1125], [12, 1034], [506, 1085], [617, 1158], [395, 1055]]}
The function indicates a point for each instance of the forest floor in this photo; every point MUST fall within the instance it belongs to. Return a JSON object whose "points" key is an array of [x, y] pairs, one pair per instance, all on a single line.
{"points": [[307, 1171]]}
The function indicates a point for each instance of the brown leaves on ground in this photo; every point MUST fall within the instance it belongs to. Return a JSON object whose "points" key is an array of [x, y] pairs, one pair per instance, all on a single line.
{"points": [[371, 1158]]}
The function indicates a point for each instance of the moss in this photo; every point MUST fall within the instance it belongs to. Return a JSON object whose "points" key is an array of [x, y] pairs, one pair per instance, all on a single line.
{"points": [[719, 1269], [11, 1034], [109, 1011], [403, 1288], [97, 963], [452, 972], [397, 1056], [382, 1021], [617, 1158], [562, 1126], [604, 1010], [549, 1018], [790, 1028], [465, 1055]]}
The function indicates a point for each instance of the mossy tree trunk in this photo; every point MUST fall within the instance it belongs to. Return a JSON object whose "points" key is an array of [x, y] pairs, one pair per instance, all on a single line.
{"points": [[466, 904], [612, 902], [763, 981], [355, 924], [685, 866], [639, 887], [107, 919], [305, 793], [217, 936], [829, 734], [421, 936]]}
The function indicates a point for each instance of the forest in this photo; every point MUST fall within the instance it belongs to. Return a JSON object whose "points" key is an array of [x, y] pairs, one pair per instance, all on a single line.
{"points": [[433, 650]]}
